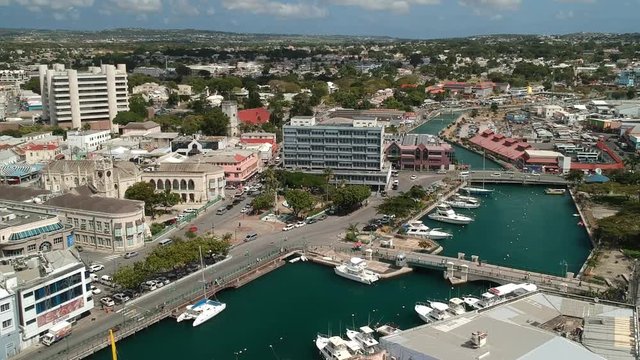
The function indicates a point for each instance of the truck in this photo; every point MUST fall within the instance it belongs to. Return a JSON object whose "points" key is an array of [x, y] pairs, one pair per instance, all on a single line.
{"points": [[56, 333]]}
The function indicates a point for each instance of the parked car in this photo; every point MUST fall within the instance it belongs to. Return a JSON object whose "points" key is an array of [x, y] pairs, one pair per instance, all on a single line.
{"points": [[162, 279], [79, 248], [312, 221], [95, 267], [148, 285], [288, 227], [189, 211], [130, 254], [300, 224], [322, 217], [106, 278], [131, 293], [94, 277], [120, 298], [95, 290], [223, 210], [370, 227], [107, 301]]}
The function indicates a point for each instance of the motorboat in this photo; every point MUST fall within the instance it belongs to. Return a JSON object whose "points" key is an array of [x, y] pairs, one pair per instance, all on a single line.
{"points": [[486, 299], [423, 311], [477, 190], [460, 204], [444, 213], [551, 191], [440, 311], [456, 306], [204, 309], [365, 339], [418, 229], [388, 329], [466, 198], [470, 302], [333, 348], [356, 269]]}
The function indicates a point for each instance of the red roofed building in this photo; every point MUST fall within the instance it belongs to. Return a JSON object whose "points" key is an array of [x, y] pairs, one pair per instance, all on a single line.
{"points": [[504, 148], [37, 153], [408, 86], [257, 138], [257, 116]]}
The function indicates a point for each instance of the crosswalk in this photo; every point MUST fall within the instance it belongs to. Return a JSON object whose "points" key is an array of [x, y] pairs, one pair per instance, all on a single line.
{"points": [[128, 312], [111, 257]]}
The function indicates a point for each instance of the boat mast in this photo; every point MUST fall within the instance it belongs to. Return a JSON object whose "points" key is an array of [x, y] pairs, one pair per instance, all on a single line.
{"points": [[484, 154], [204, 284]]}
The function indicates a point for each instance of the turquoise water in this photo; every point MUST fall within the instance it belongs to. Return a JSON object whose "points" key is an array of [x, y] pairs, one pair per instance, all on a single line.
{"points": [[279, 315], [522, 227]]}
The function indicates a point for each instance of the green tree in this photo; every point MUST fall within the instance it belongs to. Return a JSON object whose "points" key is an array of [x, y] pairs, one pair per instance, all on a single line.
{"points": [[575, 176], [130, 277], [173, 99], [182, 70], [263, 201], [167, 198], [138, 105], [32, 84], [299, 201], [494, 107], [125, 117], [253, 100], [631, 93], [215, 122], [301, 106], [143, 191], [349, 198], [400, 206]]}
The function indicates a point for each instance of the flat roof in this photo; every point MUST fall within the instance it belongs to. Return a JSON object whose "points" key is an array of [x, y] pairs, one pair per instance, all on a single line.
{"points": [[95, 204], [21, 217], [19, 193], [525, 328]]}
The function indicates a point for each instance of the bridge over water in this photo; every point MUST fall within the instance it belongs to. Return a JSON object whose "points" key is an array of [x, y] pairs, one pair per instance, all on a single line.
{"points": [[511, 177]]}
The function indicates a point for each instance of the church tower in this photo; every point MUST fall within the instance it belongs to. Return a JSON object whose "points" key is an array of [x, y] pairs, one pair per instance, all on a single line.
{"points": [[230, 108], [103, 177]]}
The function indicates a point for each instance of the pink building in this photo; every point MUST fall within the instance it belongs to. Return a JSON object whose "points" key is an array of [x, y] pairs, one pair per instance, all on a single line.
{"points": [[239, 165], [419, 152]]}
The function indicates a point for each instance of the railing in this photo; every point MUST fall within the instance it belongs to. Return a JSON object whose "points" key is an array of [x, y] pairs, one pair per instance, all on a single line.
{"points": [[126, 327]]}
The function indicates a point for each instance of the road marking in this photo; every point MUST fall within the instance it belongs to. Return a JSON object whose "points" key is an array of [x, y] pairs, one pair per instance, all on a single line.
{"points": [[111, 257]]}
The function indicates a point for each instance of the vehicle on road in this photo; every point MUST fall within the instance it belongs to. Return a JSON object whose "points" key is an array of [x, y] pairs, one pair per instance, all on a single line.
{"points": [[130, 254], [222, 210], [322, 217], [413, 177], [251, 236], [193, 229], [158, 283], [120, 298], [56, 333], [441, 171], [95, 290], [79, 248], [95, 268], [496, 174], [165, 242], [370, 227], [189, 211], [107, 301], [288, 227], [300, 224]]}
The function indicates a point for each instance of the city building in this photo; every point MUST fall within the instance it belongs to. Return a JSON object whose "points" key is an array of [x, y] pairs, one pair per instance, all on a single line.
{"points": [[303, 121], [498, 145], [198, 144], [195, 182], [34, 153], [535, 326], [257, 116], [27, 232], [141, 128], [87, 140], [250, 140], [14, 174], [150, 71], [71, 98], [239, 165], [353, 149], [115, 225], [184, 90], [50, 287], [9, 323], [103, 177], [629, 77], [419, 152], [516, 117], [8, 157], [230, 108]]}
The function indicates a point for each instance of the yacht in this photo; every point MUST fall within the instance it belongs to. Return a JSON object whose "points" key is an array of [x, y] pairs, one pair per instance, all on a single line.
{"points": [[444, 213], [356, 269], [365, 339], [333, 348], [418, 229], [460, 204], [470, 302], [204, 309], [551, 191], [477, 190], [456, 306], [388, 329], [440, 311], [423, 311]]}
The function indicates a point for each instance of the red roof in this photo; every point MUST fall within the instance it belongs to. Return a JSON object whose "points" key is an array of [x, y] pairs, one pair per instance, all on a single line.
{"points": [[509, 148], [255, 116], [408, 86], [40, 147]]}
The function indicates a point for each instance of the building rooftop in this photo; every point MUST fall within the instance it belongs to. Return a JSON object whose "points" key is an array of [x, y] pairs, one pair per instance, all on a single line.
{"points": [[35, 267], [188, 167], [85, 132], [146, 125], [20, 217], [20, 193], [95, 204], [536, 326]]}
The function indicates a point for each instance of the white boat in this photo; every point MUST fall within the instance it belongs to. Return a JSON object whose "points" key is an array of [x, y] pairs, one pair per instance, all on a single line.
{"points": [[204, 309], [356, 269], [333, 348], [440, 311], [418, 229], [387, 329], [551, 191], [294, 260], [486, 299], [477, 190], [470, 302], [459, 204], [304, 258], [365, 339], [423, 311], [444, 213], [456, 306], [470, 199]]}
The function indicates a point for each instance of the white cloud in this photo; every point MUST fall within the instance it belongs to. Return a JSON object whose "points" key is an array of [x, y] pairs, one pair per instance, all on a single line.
{"points": [[276, 8], [210, 11], [495, 4], [389, 5], [564, 15], [4, 2], [183, 7], [39, 5], [138, 6]]}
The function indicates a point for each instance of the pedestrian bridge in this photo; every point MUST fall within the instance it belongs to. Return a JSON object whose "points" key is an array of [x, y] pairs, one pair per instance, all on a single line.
{"points": [[459, 270], [512, 177]]}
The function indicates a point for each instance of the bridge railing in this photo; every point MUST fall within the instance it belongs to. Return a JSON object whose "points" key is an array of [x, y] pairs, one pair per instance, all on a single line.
{"points": [[125, 327]]}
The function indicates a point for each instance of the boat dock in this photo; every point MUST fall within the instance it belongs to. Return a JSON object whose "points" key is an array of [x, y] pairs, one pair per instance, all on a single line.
{"points": [[513, 177], [333, 258]]}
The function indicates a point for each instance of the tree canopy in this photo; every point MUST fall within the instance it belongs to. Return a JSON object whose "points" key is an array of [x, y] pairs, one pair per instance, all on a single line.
{"points": [[299, 201], [144, 191], [350, 197]]}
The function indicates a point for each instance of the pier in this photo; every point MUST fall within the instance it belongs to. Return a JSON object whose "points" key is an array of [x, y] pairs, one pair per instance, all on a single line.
{"points": [[511, 177], [460, 270]]}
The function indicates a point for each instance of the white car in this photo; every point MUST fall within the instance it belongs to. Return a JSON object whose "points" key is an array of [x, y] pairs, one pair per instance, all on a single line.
{"points": [[413, 177], [95, 268], [300, 224], [496, 174], [107, 301], [95, 290], [288, 227]]}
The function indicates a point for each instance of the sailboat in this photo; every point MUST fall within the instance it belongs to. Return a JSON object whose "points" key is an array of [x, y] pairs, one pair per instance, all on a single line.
{"points": [[204, 309], [476, 190]]}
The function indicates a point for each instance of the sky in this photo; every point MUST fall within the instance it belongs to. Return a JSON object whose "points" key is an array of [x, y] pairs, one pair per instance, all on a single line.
{"points": [[421, 19]]}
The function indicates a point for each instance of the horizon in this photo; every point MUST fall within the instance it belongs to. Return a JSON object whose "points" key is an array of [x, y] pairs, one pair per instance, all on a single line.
{"points": [[399, 19]]}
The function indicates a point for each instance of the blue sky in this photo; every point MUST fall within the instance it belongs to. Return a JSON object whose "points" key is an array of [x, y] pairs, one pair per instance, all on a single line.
{"points": [[398, 18]]}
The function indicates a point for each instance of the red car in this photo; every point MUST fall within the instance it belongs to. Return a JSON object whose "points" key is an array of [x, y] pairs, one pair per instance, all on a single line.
{"points": [[193, 229]]}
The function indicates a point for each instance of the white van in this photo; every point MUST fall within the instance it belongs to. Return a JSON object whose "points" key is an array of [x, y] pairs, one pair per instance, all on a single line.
{"points": [[464, 173], [251, 236], [165, 242]]}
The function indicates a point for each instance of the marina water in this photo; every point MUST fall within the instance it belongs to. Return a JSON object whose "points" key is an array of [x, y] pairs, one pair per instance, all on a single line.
{"points": [[279, 315]]}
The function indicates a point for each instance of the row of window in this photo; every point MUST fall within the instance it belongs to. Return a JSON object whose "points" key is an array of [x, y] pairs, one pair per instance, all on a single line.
{"points": [[36, 231], [57, 286], [82, 225], [102, 241], [59, 299]]}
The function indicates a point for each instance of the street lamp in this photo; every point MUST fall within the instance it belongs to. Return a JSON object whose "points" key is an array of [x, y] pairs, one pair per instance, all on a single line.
{"points": [[566, 266]]}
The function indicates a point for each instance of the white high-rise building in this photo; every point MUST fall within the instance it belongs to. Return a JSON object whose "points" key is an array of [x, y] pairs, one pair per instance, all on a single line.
{"points": [[71, 98]]}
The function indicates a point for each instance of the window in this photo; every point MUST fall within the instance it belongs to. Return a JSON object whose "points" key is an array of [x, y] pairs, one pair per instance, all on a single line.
{"points": [[31, 247], [29, 308], [5, 307], [6, 324], [57, 240], [31, 322]]}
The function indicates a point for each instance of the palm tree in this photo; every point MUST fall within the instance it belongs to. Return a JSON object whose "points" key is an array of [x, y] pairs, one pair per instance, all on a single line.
{"points": [[328, 175], [353, 228], [227, 237]]}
